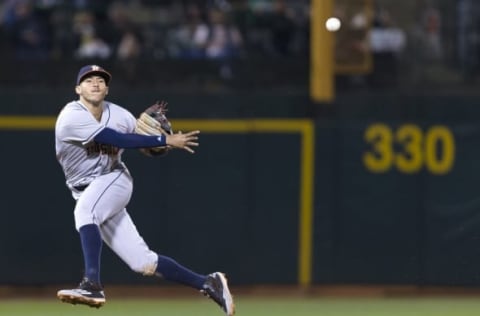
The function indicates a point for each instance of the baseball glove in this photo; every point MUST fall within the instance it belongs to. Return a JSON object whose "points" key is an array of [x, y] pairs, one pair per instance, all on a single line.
{"points": [[153, 121]]}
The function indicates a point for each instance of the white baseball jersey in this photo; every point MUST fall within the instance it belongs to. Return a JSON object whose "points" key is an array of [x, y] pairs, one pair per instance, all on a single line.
{"points": [[81, 158]]}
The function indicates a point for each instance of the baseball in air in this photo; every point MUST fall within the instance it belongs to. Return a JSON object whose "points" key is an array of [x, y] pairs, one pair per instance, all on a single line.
{"points": [[333, 24]]}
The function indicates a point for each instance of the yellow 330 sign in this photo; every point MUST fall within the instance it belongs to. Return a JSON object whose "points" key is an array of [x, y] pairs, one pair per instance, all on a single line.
{"points": [[409, 149]]}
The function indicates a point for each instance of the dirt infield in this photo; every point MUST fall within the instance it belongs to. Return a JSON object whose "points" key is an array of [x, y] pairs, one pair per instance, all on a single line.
{"points": [[174, 291]]}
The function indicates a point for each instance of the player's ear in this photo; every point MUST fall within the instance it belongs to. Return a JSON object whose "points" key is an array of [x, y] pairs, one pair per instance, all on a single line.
{"points": [[77, 89]]}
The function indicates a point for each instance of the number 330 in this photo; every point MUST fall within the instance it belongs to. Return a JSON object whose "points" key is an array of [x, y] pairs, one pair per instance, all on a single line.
{"points": [[409, 149]]}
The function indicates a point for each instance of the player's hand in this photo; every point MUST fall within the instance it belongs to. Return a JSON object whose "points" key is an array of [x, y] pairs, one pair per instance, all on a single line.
{"points": [[183, 141]]}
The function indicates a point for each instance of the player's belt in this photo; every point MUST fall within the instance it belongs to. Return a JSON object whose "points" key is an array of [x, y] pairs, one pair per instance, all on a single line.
{"points": [[81, 188]]}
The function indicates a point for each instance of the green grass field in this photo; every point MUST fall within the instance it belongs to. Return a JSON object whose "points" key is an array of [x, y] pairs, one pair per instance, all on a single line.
{"points": [[283, 306]]}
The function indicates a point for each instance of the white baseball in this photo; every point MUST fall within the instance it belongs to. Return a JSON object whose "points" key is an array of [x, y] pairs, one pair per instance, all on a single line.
{"points": [[333, 24]]}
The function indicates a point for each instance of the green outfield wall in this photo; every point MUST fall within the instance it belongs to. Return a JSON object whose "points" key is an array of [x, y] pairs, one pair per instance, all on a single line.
{"points": [[371, 190]]}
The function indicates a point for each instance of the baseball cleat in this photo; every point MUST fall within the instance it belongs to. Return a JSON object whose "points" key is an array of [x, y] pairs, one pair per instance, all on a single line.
{"points": [[216, 288], [87, 293]]}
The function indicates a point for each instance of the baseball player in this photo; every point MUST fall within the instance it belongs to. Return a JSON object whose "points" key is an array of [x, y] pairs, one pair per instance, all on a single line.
{"points": [[90, 136]]}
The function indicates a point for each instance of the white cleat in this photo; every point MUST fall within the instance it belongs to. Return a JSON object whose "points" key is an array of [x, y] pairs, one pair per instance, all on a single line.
{"points": [[87, 293], [216, 288]]}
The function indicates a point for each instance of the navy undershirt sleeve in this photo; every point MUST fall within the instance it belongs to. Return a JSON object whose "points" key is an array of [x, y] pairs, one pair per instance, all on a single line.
{"points": [[120, 140]]}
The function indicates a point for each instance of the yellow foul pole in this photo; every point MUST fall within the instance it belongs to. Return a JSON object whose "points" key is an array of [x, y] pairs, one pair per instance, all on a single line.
{"points": [[321, 52]]}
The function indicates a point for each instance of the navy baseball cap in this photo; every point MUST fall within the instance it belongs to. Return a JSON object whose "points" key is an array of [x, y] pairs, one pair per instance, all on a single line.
{"points": [[93, 70]]}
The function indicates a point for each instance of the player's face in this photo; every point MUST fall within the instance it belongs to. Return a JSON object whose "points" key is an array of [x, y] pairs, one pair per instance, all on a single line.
{"points": [[92, 89]]}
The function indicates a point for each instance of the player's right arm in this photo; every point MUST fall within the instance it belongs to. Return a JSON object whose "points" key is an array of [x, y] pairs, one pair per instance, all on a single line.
{"points": [[132, 140], [129, 140], [75, 124]]}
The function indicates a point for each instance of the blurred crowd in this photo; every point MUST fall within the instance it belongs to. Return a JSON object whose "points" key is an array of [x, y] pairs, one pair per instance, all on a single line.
{"points": [[131, 29], [415, 43]]}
